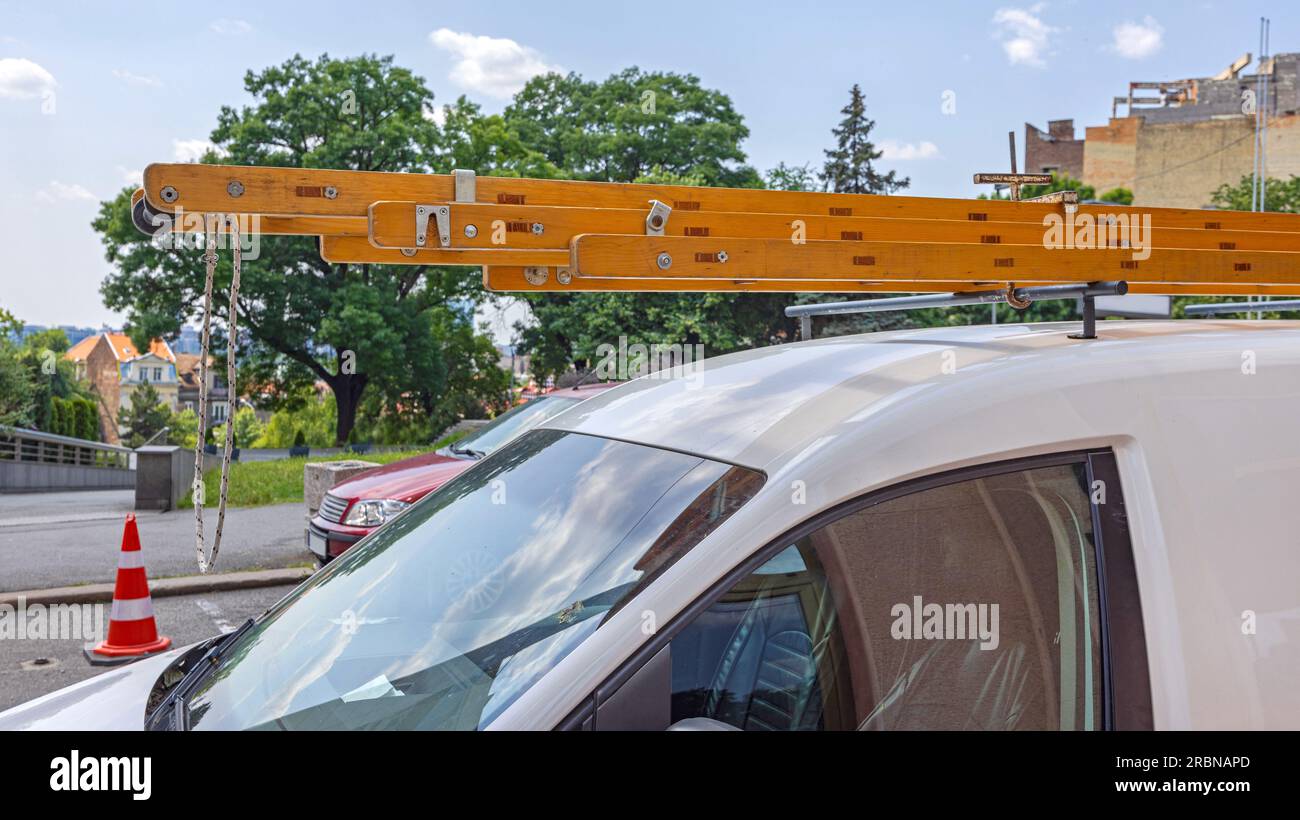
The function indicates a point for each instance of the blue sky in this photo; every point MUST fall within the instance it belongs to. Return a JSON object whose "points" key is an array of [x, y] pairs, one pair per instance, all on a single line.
{"points": [[141, 82]]}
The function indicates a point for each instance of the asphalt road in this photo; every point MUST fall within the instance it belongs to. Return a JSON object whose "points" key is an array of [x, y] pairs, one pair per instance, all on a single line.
{"points": [[30, 668], [63, 539]]}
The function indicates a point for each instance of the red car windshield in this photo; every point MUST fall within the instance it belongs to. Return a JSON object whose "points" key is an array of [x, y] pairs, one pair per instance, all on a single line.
{"points": [[511, 424]]}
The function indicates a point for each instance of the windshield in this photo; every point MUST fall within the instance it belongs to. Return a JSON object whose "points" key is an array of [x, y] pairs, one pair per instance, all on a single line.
{"points": [[442, 618], [512, 423]]}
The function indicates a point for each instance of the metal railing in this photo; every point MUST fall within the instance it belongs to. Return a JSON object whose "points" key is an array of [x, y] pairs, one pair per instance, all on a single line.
{"points": [[34, 446], [1017, 297], [1242, 307]]}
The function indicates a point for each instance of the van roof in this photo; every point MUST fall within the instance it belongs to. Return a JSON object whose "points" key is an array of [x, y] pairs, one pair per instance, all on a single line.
{"points": [[765, 407]]}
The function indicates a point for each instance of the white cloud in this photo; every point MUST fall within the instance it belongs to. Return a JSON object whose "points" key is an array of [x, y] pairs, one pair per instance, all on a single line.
{"points": [[22, 79], [1025, 37], [227, 25], [66, 192], [136, 79], [1138, 40], [495, 66], [191, 150], [903, 151], [131, 176]]}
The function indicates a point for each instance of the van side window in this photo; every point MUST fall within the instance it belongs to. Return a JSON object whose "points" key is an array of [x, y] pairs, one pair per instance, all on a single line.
{"points": [[972, 605]]}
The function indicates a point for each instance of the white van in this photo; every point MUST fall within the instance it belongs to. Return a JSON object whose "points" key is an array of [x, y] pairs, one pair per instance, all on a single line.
{"points": [[961, 528]]}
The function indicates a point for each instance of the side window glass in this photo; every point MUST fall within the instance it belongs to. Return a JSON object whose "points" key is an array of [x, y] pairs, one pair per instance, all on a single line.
{"points": [[973, 605]]}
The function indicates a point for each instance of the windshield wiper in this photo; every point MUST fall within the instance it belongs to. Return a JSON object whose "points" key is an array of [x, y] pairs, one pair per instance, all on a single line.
{"points": [[224, 642], [466, 451], [176, 705]]}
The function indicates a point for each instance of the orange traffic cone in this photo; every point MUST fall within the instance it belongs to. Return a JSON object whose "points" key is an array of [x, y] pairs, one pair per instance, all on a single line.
{"points": [[132, 631]]}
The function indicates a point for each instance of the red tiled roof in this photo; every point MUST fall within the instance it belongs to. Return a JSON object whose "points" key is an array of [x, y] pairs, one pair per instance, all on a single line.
{"points": [[121, 345]]}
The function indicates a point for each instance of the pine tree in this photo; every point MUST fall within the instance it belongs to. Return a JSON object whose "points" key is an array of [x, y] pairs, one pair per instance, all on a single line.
{"points": [[848, 168], [144, 417]]}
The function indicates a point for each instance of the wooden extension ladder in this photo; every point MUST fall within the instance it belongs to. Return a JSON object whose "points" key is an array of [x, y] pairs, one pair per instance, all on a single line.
{"points": [[552, 235]]}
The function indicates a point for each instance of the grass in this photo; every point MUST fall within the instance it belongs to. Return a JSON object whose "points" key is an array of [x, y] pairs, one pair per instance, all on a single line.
{"points": [[258, 483]]}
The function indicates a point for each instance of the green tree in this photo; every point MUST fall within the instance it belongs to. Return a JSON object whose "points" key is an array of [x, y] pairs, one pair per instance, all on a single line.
{"points": [[144, 417], [52, 377], [849, 166], [648, 127], [379, 321], [791, 178], [247, 427], [58, 424], [184, 429], [29, 398], [1119, 196], [631, 123], [53, 339], [569, 327], [86, 419], [488, 144], [17, 390], [11, 327], [1278, 195], [311, 421]]}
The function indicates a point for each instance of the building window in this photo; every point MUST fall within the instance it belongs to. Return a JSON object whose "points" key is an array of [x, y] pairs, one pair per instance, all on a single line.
{"points": [[157, 374]]}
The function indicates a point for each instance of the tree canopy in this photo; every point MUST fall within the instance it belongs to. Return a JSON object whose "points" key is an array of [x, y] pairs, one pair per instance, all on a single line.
{"points": [[393, 330], [631, 125], [1279, 195]]}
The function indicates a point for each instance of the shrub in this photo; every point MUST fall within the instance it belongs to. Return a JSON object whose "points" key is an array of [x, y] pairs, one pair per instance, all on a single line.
{"points": [[87, 419]]}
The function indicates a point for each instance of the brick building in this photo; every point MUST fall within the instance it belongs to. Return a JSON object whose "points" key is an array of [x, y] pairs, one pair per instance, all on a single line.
{"points": [[114, 368], [1054, 151], [188, 370], [1179, 140]]}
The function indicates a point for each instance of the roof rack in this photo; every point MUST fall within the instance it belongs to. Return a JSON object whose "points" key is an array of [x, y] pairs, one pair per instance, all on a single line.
{"points": [[1242, 307], [1019, 298], [536, 235]]}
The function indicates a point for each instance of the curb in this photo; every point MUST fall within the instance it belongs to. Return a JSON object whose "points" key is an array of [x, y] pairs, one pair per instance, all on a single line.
{"points": [[162, 587]]}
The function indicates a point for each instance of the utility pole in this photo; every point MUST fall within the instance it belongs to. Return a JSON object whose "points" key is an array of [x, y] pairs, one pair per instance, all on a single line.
{"points": [[1259, 171]]}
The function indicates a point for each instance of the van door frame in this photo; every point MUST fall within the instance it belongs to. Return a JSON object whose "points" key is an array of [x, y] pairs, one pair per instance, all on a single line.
{"points": [[1126, 682]]}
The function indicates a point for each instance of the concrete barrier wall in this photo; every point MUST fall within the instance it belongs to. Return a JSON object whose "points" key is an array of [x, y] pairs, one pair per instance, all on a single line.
{"points": [[31, 477]]}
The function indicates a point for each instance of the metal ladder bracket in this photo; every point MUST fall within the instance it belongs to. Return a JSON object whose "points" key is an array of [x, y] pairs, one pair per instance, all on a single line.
{"points": [[657, 219], [1068, 199], [442, 219], [466, 186]]}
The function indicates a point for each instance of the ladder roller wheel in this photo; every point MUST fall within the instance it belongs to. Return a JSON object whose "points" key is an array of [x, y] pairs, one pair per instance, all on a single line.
{"points": [[143, 218]]}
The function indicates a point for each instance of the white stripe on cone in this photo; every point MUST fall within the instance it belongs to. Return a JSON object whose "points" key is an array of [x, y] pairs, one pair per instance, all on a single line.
{"points": [[133, 559], [132, 609]]}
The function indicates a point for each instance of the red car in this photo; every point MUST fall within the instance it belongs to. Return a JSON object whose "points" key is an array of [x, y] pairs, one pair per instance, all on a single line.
{"points": [[357, 507]]}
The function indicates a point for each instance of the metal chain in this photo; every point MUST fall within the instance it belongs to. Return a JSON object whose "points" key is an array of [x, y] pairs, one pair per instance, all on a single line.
{"points": [[210, 260]]}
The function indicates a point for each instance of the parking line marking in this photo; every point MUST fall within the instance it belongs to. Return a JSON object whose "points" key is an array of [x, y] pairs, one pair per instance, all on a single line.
{"points": [[214, 612]]}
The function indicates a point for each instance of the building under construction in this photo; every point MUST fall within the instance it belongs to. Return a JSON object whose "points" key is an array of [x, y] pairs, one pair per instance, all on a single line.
{"points": [[1174, 142]]}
